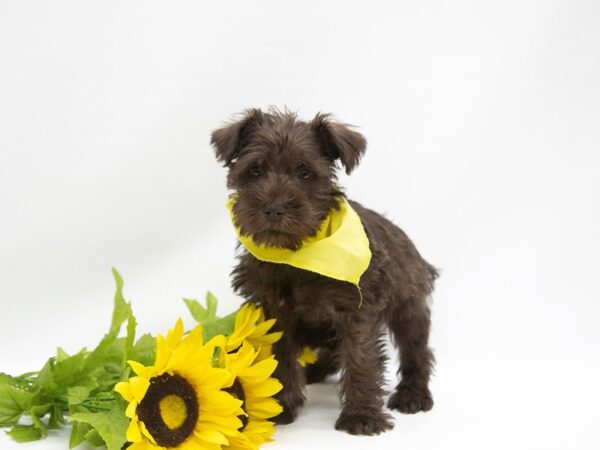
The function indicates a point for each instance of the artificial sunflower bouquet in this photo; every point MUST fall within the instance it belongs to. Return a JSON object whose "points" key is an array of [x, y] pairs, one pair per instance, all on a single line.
{"points": [[209, 388]]}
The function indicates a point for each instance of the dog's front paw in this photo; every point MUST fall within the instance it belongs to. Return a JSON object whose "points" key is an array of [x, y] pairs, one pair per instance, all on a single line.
{"points": [[365, 423], [410, 400]]}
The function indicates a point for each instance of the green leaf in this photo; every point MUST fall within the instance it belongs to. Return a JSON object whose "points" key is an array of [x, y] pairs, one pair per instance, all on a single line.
{"points": [[35, 431], [45, 379], [198, 312], [93, 438], [36, 413], [78, 432], [108, 355], [122, 309], [228, 323], [61, 354], [70, 372], [213, 328], [78, 394], [39, 411], [56, 419], [25, 433], [16, 397], [110, 425], [144, 350], [130, 337], [211, 304], [212, 325], [107, 361]]}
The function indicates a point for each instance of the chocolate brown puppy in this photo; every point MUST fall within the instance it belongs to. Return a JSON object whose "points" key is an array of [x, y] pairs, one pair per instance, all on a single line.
{"points": [[283, 172]]}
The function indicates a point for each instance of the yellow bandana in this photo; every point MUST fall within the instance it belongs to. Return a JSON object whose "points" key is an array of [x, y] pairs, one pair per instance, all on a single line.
{"points": [[339, 250]]}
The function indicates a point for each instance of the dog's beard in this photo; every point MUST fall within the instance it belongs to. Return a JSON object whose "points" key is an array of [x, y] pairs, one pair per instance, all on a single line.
{"points": [[289, 232], [279, 239]]}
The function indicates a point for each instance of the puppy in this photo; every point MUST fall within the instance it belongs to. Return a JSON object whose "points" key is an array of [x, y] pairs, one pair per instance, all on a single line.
{"points": [[283, 174]]}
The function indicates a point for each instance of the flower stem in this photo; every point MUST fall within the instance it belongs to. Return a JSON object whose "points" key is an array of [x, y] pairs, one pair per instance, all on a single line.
{"points": [[90, 403]]}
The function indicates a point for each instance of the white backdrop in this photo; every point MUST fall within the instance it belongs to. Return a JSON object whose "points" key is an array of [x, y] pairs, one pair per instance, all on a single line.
{"points": [[483, 127]]}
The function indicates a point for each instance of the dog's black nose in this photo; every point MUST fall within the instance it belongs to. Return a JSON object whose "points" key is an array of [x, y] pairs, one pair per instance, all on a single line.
{"points": [[274, 212]]}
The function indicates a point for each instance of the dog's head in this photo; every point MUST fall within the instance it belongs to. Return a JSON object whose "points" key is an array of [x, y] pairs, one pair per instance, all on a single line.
{"points": [[283, 171]]}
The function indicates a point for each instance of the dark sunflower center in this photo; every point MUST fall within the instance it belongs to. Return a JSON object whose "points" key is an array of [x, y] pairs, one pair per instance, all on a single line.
{"points": [[169, 409], [238, 392]]}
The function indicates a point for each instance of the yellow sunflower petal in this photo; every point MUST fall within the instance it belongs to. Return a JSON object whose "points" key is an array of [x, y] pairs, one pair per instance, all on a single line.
{"points": [[241, 442], [206, 354], [246, 317], [241, 319], [194, 443], [267, 339], [174, 335], [233, 342], [263, 328], [185, 354], [162, 352], [221, 402], [227, 425], [217, 341], [227, 431], [263, 407], [146, 433], [259, 431], [236, 338], [139, 369], [139, 386], [267, 388], [256, 312], [131, 409], [242, 358], [134, 433], [124, 389], [143, 445], [211, 435], [245, 322], [264, 352], [258, 372], [213, 379]]}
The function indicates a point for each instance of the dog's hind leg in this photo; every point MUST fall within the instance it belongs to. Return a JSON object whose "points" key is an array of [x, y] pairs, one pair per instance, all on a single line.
{"points": [[409, 325], [327, 364]]}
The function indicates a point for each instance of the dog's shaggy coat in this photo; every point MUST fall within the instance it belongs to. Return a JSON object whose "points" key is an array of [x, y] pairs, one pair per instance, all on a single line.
{"points": [[283, 171]]}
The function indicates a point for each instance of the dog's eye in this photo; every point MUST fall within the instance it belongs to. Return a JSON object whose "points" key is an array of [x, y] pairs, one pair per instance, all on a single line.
{"points": [[255, 171], [305, 174]]}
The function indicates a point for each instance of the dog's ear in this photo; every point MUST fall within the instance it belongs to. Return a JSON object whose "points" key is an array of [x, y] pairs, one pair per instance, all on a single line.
{"points": [[229, 140], [339, 141]]}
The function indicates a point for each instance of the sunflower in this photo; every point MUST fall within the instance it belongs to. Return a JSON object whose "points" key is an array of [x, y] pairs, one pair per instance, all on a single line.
{"points": [[180, 401], [255, 387]]}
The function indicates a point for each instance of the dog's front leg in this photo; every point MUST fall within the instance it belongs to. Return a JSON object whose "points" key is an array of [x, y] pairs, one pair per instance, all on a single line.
{"points": [[291, 376], [363, 362]]}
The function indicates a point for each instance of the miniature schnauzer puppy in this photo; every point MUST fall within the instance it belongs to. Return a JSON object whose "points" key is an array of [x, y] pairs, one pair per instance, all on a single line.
{"points": [[279, 163]]}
